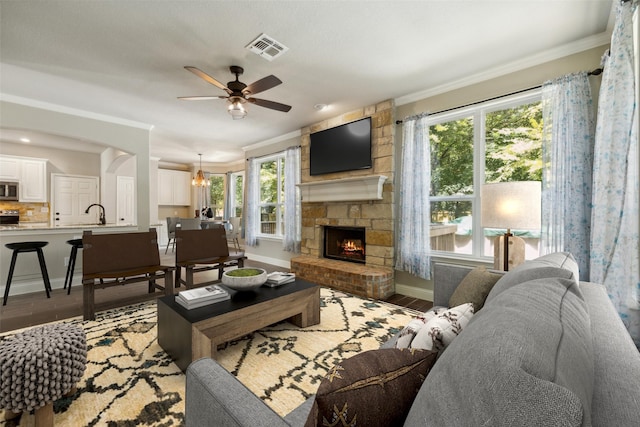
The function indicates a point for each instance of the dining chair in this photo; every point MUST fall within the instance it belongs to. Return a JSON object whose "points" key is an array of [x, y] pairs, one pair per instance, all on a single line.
{"points": [[189, 223], [171, 232], [234, 233]]}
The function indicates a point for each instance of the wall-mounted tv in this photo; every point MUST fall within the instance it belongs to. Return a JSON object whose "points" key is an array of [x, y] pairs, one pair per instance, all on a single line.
{"points": [[342, 148]]}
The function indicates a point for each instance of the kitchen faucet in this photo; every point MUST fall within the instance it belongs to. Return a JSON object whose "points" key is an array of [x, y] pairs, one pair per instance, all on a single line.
{"points": [[103, 218]]}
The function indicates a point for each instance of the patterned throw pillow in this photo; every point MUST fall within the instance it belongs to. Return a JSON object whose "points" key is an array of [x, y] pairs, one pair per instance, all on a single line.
{"points": [[438, 333], [406, 335], [374, 388], [474, 288]]}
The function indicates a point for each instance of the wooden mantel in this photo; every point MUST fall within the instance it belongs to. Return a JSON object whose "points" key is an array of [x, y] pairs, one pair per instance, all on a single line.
{"points": [[367, 187]]}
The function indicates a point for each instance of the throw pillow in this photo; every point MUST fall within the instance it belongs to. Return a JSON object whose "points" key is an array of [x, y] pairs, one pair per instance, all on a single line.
{"points": [[474, 288], [405, 336], [374, 388], [438, 333]]}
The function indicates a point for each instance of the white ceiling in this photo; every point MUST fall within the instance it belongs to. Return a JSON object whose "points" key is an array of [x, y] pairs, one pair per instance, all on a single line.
{"points": [[125, 59]]}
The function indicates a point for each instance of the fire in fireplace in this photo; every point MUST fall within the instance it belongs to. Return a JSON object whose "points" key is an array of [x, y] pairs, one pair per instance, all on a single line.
{"points": [[345, 243]]}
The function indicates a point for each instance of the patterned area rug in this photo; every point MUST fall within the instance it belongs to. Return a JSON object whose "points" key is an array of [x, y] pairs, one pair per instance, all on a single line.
{"points": [[131, 381]]}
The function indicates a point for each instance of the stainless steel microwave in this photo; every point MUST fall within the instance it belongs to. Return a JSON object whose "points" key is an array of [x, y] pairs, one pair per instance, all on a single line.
{"points": [[8, 190]]}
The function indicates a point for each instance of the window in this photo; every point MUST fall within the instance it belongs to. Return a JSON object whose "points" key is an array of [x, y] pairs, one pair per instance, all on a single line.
{"points": [[237, 194], [216, 195], [496, 141], [271, 204]]}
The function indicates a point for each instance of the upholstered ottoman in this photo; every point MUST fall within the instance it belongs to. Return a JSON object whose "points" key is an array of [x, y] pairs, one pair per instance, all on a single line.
{"points": [[38, 367]]}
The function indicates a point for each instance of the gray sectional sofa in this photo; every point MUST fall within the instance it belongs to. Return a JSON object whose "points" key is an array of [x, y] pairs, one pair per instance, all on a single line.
{"points": [[545, 350]]}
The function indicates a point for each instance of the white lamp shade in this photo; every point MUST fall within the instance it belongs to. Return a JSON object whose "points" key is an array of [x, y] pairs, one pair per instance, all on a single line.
{"points": [[514, 205]]}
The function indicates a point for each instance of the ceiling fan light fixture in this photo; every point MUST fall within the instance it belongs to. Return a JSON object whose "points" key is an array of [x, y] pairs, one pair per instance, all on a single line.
{"points": [[237, 111]]}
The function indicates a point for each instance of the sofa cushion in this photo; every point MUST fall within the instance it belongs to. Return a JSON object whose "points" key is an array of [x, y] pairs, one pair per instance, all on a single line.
{"points": [[525, 359], [440, 331], [406, 335], [374, 388], [558, 264], [474, 288]]}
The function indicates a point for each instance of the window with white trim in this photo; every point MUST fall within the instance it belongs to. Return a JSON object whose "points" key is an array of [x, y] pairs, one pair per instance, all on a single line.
{"points": [[271, 203], [216, 195], [494, 141]]}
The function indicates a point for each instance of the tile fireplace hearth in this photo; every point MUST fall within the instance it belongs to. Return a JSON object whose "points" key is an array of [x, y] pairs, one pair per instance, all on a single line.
{"points": [[358, 279]]}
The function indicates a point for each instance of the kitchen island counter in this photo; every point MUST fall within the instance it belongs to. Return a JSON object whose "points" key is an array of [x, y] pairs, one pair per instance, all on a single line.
{"points": [[41, 228], [27, 276]]}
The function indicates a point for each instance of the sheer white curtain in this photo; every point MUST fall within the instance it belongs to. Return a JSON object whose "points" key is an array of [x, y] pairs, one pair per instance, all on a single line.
{"points": [[228, 200], [251, 209], [567, 155], [292, 210], [614, 220], [413, 240]]}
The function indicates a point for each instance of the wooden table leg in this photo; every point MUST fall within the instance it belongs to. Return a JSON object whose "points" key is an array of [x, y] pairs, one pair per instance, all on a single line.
{"points": [[88, 309]]}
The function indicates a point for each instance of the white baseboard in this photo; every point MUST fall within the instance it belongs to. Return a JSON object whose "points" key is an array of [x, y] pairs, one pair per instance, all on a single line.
{"points": [[37, 285], [412, 291]]}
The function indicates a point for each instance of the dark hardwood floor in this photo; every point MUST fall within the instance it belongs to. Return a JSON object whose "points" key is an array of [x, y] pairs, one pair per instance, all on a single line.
{"points": [[35, 308]]}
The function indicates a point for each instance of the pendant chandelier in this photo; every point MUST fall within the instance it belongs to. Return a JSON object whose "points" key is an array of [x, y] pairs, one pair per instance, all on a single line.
{"points": [[199, 180]]}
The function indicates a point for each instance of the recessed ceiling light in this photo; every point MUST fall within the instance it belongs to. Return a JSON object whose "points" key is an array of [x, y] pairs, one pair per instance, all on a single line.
{"points": [[321, 107], [23, 139]]}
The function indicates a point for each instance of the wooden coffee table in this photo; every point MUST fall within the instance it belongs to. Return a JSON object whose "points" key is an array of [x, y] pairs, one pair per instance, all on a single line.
{"points": [[188, 335]]}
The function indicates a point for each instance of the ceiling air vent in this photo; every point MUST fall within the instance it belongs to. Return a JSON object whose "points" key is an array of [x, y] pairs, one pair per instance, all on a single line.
{"points": [[267, 47]]}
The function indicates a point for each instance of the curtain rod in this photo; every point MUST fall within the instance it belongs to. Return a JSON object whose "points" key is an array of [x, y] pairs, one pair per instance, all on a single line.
{"points": [[595, 72]]}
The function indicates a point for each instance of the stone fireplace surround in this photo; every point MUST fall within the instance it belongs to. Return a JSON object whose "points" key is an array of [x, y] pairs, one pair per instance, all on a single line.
{"points": [[349, 208]]}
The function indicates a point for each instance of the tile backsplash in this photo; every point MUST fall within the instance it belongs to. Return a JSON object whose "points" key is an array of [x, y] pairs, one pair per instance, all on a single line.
{"points": [[29, 212]]}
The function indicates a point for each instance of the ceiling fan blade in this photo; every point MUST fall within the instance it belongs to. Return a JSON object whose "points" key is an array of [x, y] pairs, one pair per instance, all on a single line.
{"points": [[206, 77], [200, 98], [262, 85], [270, 104]]}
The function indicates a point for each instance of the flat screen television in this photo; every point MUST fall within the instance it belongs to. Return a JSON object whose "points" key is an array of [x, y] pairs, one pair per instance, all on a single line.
{"points": [[342, 148]]}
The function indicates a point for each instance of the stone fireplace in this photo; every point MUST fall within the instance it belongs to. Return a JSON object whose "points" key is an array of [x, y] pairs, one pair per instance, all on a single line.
{"points": [[362, 199], [345, 243]]}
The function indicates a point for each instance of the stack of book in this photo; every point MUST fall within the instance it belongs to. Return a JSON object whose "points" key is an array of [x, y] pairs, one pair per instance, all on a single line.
{"points": [[278, 278], [199, 297]]}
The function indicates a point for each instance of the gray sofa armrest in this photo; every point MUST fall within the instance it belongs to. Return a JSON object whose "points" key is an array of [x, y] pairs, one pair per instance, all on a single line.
{"points": [[214, 397]]}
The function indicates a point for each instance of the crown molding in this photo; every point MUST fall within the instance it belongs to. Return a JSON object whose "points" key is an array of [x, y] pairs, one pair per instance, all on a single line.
{"points": [[271, 141], [73, 111], [531, 61]]}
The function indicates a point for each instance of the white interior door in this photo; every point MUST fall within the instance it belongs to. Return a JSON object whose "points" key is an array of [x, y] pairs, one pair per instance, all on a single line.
{"points": [[71, 196], [125, 200]]}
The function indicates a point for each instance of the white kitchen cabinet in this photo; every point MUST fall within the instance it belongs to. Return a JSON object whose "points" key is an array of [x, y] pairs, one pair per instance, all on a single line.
{"points": [[174, 187], [10, 168], [33, 180], [30, 172]]}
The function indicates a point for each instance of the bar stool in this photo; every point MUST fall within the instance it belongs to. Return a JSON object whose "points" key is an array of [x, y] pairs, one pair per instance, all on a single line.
{"points": [[75, 244], [21, 247]]}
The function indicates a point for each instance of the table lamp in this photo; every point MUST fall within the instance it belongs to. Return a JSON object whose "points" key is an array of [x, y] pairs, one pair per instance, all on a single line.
{"points": [[511, 205]]}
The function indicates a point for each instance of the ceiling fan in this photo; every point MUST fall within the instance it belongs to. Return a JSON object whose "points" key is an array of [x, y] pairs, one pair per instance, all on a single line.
{"points": [[239, 93]]}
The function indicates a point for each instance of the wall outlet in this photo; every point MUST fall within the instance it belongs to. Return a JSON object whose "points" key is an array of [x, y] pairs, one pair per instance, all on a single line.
{"points": [[29, 212]]}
